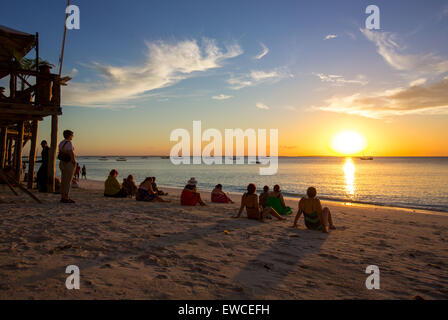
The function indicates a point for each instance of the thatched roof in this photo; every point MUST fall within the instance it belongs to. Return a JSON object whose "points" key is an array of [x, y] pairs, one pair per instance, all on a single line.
{"points": [[13, 43]]}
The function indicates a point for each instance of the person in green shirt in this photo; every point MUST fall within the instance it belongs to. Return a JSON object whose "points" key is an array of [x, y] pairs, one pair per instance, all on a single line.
{"points": [[112, 188]]}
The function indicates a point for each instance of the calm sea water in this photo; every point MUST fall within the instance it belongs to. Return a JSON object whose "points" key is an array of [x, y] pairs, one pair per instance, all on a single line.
{"points": [[420, 183]]}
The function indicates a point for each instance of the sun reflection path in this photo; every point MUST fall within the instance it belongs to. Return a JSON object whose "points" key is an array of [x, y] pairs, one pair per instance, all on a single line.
{"points": [[349, 172]]}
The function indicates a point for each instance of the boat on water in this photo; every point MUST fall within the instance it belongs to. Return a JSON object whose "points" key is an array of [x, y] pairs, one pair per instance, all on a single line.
{"points": [[366, 158], [121, 159]]}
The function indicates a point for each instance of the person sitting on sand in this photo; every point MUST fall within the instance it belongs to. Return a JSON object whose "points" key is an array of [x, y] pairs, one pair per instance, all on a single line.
{"points": [[129, 186], [219, 196], [315, 217], [249, 200], [264, 197], [190, 196], [275, 200], [156, 189], [145, 192], [112, 188]]}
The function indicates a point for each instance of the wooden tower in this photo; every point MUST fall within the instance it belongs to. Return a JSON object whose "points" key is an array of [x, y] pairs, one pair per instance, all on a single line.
{"points": [[34, 93]]}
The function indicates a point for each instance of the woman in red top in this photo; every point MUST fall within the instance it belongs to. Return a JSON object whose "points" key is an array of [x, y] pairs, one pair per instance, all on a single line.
{"points": [[190, 196]]}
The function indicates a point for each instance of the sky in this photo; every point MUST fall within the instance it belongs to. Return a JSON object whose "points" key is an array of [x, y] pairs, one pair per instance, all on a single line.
{"points": [[310, 69]]}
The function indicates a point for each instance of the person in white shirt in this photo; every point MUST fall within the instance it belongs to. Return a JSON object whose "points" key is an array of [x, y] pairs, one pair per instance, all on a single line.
{"points": [[67, 164]]}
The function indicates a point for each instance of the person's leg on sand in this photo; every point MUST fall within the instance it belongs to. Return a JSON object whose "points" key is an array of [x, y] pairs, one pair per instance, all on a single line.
{"points": [[269, 211], [330, 219]]}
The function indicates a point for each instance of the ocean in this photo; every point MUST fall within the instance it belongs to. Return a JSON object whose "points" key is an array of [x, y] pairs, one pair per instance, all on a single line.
{"points": [[420, 183]]}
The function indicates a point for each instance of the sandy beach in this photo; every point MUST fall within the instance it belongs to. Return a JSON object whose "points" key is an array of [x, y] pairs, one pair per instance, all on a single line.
{"points": [[132, 250]]}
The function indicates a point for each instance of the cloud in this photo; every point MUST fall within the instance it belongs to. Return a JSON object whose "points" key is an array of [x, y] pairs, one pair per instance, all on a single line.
{"points": [[262, 106], [165, 65], [263, 53], [291, 108], [256, 77], [351, 35], [221, 97], [340, 80], [330, 36], [418, 82], [389, 49], [416, 99], [73, 73]]}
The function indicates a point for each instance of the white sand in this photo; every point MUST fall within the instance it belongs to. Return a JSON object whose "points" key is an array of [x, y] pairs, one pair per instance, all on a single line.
{"points": [[132, 250]]}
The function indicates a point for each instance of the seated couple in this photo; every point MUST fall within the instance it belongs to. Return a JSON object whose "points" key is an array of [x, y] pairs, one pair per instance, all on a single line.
{"points": [[315, 217], [147, 193], [275, 200], [113, 188], [249, 200], [190, 196], [218, 196]]}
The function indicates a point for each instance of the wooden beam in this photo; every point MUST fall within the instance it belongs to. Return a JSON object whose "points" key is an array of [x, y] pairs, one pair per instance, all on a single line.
{"points": [[12, 86], [32, 156], [8, 158], [52, 156], [3, 146], [19, 150]]}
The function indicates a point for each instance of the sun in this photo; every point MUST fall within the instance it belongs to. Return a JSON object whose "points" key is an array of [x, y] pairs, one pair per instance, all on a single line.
{"points": [[348, 142]]}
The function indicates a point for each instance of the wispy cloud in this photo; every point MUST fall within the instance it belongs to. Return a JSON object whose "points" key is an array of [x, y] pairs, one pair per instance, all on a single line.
{"points": [[262, 106], [330, 36], [256, 77], [291, 108], [166, 64], [340, 80], [265, 51], [418, 82], [388, 48], [416, 99], [221, 97], [351, 35]]}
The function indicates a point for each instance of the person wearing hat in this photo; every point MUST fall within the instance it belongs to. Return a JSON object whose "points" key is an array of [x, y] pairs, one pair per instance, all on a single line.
{"points": [[190, 196], [67, 165]]}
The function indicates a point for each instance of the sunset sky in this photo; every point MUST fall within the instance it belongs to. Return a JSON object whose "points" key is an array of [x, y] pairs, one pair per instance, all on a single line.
{"points": [[308, 68]]}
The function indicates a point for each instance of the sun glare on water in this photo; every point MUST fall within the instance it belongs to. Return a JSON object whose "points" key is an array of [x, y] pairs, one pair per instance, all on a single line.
{"points": [[348, 142]]}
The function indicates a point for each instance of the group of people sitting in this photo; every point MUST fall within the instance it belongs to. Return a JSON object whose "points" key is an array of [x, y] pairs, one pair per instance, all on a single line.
{"points": [[269, 204], [146, 191]]}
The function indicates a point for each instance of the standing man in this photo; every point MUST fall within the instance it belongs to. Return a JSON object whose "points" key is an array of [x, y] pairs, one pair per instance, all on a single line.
{"points": [[42, 174], [67, 164], [84, 172]]}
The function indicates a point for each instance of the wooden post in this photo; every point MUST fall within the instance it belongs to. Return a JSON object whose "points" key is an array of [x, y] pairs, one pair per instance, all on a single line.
{"points": [[52, 158], [12, 86], [8, 158], [3, 146], [36, 92], [14, 153], [19, 149], [32, 156]]}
